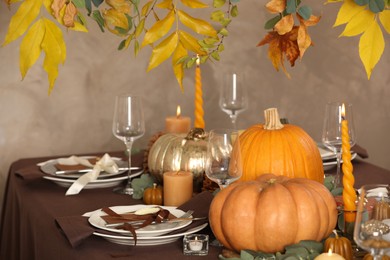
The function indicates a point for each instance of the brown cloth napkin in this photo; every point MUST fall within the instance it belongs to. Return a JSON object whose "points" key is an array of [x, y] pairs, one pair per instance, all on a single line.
{"points": [[360, 151], [30, 172], [76, 228]]}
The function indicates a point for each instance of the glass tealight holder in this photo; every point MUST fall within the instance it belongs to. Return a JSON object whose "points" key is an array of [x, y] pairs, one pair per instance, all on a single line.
{"points": [[196, 244]]}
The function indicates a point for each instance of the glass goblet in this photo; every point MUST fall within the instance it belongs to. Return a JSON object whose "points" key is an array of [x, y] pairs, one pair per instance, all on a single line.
{"points": [[233, 97], [372, 224], [128, 125], [223, 159]]}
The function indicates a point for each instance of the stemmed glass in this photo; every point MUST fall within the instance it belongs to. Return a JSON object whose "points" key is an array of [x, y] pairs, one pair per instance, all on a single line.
{"points": [[331, 132], [128, 125], [233, 96], [372, 224], [223, 158]]}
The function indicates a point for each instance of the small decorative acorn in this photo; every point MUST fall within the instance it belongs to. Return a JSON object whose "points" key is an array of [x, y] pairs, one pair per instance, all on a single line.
{"points": [[370, 257], [153, 195], [339, 245]]}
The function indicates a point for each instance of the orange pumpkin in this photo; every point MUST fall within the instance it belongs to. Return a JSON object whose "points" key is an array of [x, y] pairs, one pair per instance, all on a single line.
{"points": [[279, 149], [153, 195], [272, 212], [339, 245]]}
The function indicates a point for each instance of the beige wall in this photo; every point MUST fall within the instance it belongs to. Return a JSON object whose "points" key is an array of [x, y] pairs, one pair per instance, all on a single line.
{"points": [[76, 118]]}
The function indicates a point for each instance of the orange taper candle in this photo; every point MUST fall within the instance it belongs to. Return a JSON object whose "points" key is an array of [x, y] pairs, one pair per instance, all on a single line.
{"points": [[199, 121], [349, 194]]}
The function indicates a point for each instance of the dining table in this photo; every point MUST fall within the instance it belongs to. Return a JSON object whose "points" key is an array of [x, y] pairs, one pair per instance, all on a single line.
{"points": [[34, 207]]}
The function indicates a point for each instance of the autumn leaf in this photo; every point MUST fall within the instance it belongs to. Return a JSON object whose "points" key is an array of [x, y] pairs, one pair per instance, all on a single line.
{"points": [[281, 47], [30, 47], [70, 13], [55, 51], [21, 20], [190, 43], [384, 17], [77, 26], [163, 51], [313, 20], [197, 25], [194, 3], [114, 18], [285, 24], [371, 47], [358, 23], [145, 9], [165, 4], [56, 6], [122, 6], [159, 29], [304, 39], [178, 69], [347, 10], [276, 6]]}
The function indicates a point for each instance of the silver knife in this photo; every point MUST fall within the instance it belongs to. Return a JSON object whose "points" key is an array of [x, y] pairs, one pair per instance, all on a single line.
{"points": [[90, 169], [139, 222]]}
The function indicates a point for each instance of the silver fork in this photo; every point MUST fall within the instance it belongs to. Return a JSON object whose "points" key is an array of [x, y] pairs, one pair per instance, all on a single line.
{"points": [[185, 216]]}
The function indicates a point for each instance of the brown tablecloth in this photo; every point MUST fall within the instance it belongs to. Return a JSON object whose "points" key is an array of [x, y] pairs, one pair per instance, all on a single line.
{"points": [[29, 230]]}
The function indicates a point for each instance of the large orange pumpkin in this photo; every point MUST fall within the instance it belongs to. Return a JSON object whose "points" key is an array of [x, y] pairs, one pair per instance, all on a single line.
{"points": [[272, 212], [279, 149]]}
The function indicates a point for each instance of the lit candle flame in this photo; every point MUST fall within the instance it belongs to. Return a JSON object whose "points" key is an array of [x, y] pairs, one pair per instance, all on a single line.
{"points": [[197, 60], [343, 111], [330, 252], [178, 112]]}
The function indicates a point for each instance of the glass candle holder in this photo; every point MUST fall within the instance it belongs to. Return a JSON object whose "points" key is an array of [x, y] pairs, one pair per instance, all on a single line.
{"points": [[196, 244]]}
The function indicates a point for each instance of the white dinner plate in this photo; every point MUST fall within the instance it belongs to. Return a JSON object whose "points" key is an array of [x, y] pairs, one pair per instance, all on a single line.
{"points": [[99, 183], [326, 154], [50, 168], [148, 231], [149, 241], [330, 164]]}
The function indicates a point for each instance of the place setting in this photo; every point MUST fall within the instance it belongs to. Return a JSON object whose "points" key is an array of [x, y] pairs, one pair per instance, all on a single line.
{"points": [[110, 172], [139, 224], [144, 225]]}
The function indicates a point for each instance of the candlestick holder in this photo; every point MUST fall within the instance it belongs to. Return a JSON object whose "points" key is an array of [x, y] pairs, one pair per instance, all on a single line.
{"points": [[196, 244], [346, 224]]}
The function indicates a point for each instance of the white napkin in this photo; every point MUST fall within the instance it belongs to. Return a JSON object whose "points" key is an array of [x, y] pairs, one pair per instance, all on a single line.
{"points": [[72, 160], [106, 163]]}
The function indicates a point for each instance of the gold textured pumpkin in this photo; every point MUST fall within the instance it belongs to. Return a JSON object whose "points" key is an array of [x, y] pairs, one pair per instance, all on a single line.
{"points": [[179, 152], [279, 149]]}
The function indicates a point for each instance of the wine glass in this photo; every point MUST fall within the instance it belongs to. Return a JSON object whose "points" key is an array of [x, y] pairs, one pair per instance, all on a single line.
{"points": [[233, 97], [128, 125], [372, 224], [331, 132], [223, 158]]}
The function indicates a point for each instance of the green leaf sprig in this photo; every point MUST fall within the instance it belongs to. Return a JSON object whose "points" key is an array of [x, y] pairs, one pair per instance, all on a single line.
{"points": [[141, 184], [304, 250]]}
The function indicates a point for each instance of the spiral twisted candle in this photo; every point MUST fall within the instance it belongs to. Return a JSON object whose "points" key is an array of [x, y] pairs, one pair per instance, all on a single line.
{"points": [[349, 194], [199, 121]]}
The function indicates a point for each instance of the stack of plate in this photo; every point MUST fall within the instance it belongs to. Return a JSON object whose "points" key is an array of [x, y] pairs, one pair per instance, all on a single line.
{"points": [[329, 159], [105, 180], [156, 234]]}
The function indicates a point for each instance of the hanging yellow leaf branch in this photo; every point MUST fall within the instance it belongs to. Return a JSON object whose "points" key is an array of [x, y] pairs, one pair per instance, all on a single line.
{"points": [[174, 33], [287, 40], [361, 18]]}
